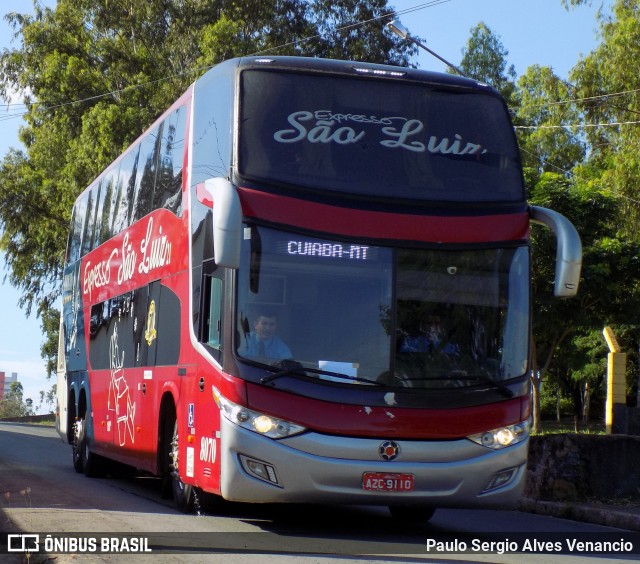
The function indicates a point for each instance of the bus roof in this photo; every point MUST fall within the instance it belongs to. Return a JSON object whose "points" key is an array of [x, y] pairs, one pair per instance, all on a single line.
{"points": [[355, 68]]}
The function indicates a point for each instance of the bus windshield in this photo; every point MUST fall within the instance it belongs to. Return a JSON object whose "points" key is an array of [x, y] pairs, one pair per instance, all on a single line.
{"points": [[352, 313], [379, 138]]}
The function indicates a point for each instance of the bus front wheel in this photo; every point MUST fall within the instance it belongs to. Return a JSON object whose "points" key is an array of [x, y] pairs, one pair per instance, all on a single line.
{"points": [[183, 494]]}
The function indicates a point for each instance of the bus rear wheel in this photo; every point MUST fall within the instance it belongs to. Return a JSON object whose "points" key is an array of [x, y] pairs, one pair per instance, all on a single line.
{"points": [[77, 457], [93, 465], [411, 513], [183, 494]]}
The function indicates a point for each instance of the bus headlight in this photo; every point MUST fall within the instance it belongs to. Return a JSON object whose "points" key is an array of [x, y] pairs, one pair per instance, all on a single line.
{"points": [[503, 436], [261, 423]]}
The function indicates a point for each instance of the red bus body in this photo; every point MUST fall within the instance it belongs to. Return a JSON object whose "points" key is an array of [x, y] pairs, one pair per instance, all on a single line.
{"points": [[152, 371]]}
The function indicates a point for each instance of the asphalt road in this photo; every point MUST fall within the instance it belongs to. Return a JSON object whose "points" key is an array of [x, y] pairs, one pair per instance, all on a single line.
{"points": [[41, 493]]}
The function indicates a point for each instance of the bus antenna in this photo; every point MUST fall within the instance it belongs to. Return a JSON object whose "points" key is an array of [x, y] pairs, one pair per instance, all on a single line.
{"points": [[396, 27]]}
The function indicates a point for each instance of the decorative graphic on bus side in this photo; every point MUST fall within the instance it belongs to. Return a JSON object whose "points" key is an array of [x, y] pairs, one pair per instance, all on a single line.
{"points": [[119, 401], [150, 332]]}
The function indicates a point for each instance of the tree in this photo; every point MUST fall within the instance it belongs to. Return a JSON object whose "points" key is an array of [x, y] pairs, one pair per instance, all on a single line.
{"points": [[485, 59], [359, 43], [599, 171], [11, 405], [590, 369], [609, 292], [607, 87], [48, 399], [604, 92], [545, 115], [96, 73]]}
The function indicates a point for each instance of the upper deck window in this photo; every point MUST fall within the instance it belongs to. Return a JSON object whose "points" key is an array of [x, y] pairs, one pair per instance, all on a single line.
{"points": [[146, 178], [377, 138]]}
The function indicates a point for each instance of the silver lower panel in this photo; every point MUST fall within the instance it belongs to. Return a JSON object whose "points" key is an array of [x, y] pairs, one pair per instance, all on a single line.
{"points": [[314, 468]]}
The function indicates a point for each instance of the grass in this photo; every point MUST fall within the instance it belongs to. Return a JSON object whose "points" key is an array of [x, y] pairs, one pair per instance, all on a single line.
{"points": [[553, 427]]}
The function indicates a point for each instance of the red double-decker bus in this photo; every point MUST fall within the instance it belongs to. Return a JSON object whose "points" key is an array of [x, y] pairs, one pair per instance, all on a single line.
{"points": [[309, 281]]}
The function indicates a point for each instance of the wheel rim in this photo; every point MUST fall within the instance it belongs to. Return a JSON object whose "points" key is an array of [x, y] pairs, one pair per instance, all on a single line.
{"points": [[78, 459], [173, 456], [178, 485]]}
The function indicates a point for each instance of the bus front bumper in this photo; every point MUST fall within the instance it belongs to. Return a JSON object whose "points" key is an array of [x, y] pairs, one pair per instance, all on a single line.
{"points": [[316, 468]]}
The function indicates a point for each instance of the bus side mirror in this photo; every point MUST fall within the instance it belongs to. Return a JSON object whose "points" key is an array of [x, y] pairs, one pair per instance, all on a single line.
{"points": [[227, 222], [569, 253]]}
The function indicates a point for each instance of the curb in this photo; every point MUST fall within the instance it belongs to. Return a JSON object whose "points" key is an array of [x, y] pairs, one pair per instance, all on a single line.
{"points": [[620, 517]]}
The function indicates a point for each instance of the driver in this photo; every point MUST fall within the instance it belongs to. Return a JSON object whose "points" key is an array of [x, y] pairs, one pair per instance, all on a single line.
{"points": [[262, 342]]}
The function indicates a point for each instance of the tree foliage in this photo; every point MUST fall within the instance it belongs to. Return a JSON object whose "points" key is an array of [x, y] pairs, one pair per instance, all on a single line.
{"points": [[607, 86], [545, 115], [48, 400], [590, 175], [485, 59], [12, 405], [609, 293]]}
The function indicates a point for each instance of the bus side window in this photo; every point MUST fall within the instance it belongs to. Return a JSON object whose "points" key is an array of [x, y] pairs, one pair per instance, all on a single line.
{"points": [[128, 175], [114, 195], [214, 312], [75, 233], [146, 174], [97, 208], [168, 190], [89, 220], [106, 207]]}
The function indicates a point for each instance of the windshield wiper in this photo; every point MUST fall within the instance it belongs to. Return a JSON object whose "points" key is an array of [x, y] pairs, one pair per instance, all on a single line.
{"points": [[461, 375], [295, 369], [504, 390]]}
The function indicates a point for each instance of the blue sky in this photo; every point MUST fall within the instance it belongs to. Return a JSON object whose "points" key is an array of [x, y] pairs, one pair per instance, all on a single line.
{"points": [[533, 31]]}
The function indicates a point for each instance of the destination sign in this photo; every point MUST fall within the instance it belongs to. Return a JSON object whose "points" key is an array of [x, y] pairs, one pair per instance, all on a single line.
{"points": [[313, 248]]}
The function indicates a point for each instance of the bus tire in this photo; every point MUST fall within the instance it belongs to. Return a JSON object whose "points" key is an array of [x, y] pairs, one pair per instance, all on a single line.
{"points": [[183, 494], [411, 513], [75, 443], [93, 465]]}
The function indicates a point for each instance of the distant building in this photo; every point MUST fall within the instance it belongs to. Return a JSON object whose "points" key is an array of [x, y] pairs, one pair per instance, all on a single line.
{"points": [[5, 383]]}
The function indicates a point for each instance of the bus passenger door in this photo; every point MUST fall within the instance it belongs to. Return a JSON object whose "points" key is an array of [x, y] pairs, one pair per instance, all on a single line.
{"points": [[137, 423], [212, 330]]}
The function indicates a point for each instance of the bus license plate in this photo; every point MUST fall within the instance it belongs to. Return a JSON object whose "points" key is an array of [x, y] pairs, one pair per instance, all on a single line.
{"points": [[387, 482]]}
